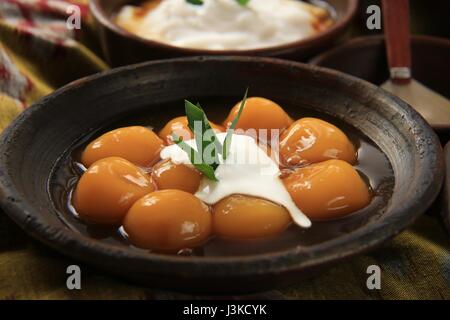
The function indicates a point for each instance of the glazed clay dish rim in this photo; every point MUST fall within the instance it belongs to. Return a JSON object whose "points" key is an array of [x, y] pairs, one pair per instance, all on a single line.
{"points": [[76, 245], [98, 12]]}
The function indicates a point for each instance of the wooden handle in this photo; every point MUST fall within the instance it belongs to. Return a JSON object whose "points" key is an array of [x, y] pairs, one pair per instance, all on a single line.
{"points": [[398, 42]]}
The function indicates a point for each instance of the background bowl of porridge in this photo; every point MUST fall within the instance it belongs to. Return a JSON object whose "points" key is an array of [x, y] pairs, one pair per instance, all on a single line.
{"points": [[135, 31]]}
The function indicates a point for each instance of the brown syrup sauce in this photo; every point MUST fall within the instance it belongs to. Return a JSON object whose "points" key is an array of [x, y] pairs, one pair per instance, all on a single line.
{"points": [[372, 164]]}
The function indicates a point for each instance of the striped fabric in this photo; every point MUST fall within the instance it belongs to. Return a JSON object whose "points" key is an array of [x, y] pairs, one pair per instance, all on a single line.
{"points": [[38, 53]]}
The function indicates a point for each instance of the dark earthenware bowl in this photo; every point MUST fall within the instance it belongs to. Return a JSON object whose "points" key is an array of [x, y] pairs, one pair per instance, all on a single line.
{"points": [[365, 58], [121, 47], [36, 141]]}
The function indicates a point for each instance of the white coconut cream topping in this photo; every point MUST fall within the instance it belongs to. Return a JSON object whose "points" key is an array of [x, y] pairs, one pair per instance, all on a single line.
{"points": [[248, 170], [223, 24]]}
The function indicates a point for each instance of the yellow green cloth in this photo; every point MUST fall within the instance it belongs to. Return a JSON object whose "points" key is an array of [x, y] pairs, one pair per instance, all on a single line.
{"points": [[37, 55]]}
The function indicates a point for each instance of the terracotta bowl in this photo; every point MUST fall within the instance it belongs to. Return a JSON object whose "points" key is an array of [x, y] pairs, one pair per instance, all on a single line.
{"points": [[38, 141], [121, 47]]}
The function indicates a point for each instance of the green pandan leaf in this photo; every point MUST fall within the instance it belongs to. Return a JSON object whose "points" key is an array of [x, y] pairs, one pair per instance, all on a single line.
{"points": [[201, 127], [203, 132], [229, 136], [207, 170], [195, 2], [200, 2], [195, 158], [243, 2]]}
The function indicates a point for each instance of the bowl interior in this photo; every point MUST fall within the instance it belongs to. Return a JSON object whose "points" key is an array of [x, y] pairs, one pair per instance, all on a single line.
{"points": [[372, 164], [39, 140]]}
